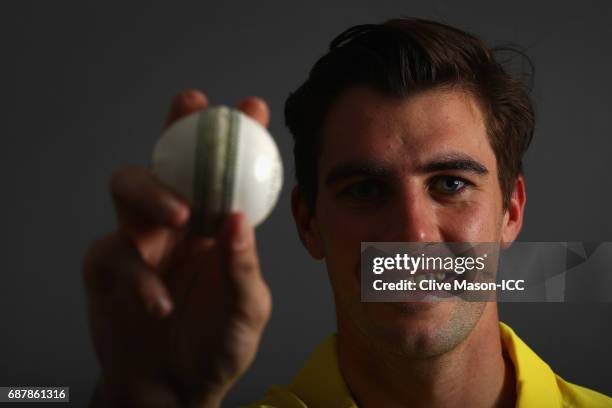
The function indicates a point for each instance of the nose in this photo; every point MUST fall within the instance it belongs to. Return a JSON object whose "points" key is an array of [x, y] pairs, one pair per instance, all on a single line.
{"points": [[413, 217]]}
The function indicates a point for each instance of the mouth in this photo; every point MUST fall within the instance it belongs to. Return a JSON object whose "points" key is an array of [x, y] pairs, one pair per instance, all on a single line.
{"points": [[431, 275], [432, 285], [424, 275]]}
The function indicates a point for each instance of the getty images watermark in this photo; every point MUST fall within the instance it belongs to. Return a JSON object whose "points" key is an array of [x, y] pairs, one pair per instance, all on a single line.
{"points": [[524, 272]]}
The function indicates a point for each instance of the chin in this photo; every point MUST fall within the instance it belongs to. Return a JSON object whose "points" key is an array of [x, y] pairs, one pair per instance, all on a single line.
{"points": [[417, 329]]}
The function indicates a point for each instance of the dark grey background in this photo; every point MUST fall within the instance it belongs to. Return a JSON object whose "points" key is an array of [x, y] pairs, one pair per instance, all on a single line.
{"points": [[89, 91]]}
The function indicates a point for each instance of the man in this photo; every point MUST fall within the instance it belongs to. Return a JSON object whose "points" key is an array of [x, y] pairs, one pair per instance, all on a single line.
{"points": [[405, 131]]}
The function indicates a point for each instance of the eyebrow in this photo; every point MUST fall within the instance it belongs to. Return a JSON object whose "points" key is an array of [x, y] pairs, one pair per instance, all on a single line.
{"points": [[454, 161], [365, 168], [373, 168]]}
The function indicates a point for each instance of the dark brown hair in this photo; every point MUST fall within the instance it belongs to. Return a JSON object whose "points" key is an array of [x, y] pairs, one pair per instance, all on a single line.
{"points": [[399, 58]]}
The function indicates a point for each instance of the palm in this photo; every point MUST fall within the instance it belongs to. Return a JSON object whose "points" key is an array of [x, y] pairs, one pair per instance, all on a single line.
{"points": [[175, 318], [208, 338], [209, 317]]}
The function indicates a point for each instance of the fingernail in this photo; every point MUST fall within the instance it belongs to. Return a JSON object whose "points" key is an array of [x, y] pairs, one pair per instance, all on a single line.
{"points": [[162, 307], [176, 212]]}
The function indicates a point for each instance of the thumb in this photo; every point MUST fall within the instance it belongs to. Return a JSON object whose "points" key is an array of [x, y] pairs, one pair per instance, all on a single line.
{"points": [[241, 269], [240, 255]]}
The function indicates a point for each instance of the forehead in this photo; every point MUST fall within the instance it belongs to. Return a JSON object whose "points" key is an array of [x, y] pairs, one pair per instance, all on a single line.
{"points": [[364, 124]]}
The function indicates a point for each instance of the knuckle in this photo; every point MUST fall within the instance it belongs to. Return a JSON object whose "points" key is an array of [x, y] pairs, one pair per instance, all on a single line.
{"points": [[97, 257], [264, 309], [98, 250], [158, 195], [260, 312], [255, 309], [122, 177], [246, 263], [117, 177], [146, 283]]}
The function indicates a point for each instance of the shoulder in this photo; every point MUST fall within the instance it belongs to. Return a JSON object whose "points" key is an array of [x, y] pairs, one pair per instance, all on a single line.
{"points": [[318, 383], [575, 396], [538, 385], [278, 397]]}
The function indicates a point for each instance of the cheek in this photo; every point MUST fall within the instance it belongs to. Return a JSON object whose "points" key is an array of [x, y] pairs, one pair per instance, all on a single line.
{"points": [[341, 233], [477, 221], [343, 229]]}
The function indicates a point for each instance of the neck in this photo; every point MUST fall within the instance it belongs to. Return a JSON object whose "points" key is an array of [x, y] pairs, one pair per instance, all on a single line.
{"points": [[474, 373]]}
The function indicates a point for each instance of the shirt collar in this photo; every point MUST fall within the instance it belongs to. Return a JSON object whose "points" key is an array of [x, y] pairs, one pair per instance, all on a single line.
{"points": [[320, 384], [536, 383]]}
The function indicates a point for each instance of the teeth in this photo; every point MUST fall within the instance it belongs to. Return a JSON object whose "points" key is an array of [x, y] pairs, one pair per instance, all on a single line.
{"points": [[440, 276]]}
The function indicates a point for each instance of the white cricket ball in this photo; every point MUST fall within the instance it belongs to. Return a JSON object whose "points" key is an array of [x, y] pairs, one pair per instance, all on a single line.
{"points": [[221, 160]]}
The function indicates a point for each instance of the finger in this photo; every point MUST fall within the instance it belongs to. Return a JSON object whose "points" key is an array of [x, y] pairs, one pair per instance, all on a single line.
{"points": [[140, 197], [239, 242], [148, 213], [256, 108], [149, 289], [113, 263], [184, 103], [97, 280], [241, 266]]}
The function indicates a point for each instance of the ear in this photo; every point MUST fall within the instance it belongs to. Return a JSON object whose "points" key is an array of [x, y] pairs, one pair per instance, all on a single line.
{"points": [[513, 217], [306, 225]]}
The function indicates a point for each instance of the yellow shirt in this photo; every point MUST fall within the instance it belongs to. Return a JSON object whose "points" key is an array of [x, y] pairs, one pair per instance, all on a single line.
{"points": [[319, 383]]}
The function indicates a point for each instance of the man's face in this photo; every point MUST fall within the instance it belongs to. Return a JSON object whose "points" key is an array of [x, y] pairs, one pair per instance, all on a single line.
{"points": [[418, 169]]}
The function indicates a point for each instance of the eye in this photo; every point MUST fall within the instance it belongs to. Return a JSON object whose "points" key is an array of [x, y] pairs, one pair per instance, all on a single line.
{"points": [[449, 184], [364, 191]]}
